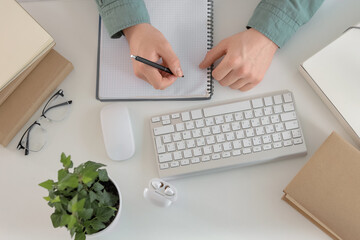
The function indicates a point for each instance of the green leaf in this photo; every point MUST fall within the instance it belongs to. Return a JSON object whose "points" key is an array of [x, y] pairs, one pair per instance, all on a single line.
{"points": [[79, 205], [66, 161], [97, 225], [71, 204], [47, 198], [98, 187], [104, 214], [62, 174], [80, 236], [86, 214], [89, 176], [55, 200], [69, 180], [55, 219], [72, 221], [92, 166], [48, 184], [103, 176], [65, 219], [92, 196]]}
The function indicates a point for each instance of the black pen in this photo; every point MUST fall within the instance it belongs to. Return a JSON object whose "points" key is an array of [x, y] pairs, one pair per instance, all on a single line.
{"points": [[152, 64]]}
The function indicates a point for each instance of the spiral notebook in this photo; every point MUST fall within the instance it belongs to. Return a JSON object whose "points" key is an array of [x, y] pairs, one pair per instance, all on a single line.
{"points": [[187, 25]]}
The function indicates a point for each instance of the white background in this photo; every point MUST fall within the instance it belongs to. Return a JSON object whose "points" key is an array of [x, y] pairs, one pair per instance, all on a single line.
{"points": [[243, 203]]}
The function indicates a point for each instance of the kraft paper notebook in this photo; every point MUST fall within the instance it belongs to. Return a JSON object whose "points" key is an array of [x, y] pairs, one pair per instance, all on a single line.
{"points": [[23, 43], [327, 189], [187, 25], [18, 108], [334, 74]]}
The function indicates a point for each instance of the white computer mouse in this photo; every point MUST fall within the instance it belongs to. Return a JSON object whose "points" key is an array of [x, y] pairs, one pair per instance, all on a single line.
{"points": [[117, 131]]}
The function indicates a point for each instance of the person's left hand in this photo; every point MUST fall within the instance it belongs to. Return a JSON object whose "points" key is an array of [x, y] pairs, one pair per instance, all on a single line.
{"points": [[247, 57]]}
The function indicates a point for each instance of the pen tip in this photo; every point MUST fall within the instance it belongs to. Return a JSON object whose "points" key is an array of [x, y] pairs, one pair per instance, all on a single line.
{"points": [[183, 76], [132, 56]]}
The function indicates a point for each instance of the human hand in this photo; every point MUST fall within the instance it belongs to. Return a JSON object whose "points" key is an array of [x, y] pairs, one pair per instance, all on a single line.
{"points": [[247, 57], [148, 42]]}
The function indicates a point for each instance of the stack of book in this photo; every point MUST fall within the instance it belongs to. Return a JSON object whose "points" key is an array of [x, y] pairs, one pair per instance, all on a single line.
{"points": [[30, 68]]}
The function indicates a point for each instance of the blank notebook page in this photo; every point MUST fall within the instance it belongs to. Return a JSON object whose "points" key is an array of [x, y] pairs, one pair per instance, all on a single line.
{"points": [[184, 25]]}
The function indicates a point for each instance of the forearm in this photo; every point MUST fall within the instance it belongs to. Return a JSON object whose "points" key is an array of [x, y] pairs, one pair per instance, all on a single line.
{"points": [[120, 14], [280, 19]]}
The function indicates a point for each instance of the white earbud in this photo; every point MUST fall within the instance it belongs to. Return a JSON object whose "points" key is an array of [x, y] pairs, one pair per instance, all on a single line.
{"points": [[160, 193]]}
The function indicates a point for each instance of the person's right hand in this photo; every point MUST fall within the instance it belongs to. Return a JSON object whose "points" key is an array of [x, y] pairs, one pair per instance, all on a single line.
{"points": [[148, 42]]}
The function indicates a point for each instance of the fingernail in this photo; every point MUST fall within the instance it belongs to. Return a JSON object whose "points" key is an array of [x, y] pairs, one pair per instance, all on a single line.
{"points": [[179, 72]]}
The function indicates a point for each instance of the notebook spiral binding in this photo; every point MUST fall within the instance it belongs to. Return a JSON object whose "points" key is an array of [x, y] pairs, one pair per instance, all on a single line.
{"points": [[210, 30]]}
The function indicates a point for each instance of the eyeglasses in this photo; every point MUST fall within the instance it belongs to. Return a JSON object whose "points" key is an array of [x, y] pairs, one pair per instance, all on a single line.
{"points": [[56, 109]]}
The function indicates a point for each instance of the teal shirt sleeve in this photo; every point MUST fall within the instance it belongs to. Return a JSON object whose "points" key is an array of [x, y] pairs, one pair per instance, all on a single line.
{"points": [[120, 14], [280, 19]]}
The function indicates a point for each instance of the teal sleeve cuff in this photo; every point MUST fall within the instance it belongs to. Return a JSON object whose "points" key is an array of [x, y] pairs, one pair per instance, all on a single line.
{"points": [[120, 14], [273, 23], [280, 19]]}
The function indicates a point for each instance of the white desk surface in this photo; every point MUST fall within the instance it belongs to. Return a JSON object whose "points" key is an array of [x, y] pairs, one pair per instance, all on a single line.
{"points": [[243, 203]]}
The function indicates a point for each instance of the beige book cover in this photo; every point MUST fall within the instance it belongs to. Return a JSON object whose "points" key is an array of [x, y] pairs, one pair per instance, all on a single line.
{"points": [[17, 109], [333, 73], [327, 189], [22, 43]]}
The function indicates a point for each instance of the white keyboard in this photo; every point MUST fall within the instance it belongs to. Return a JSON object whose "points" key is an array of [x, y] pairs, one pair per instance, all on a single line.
{"points": [[226, 135]]}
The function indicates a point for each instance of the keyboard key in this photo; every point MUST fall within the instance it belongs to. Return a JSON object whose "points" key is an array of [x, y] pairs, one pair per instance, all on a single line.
{"points": [[176, 137], [277, 145], [187, 153], [196, 133], [175, 115], [180, 127], [185, 116], [165, 117], [197, 152], [170, 147], [278, 99], [289, 107], [268, 101], [207, 149], [226, 154], [167, 138], [235, 126], [164, 166], [230, 136], [195, 160], [240, 134], [200, 142], [206, 131], [215, 156], [278, 109], [236, 152], [257, 103], [196, 114], [164, 130], [199, 123], [174, 164], [186, 135], [190, 143], [247, 142], [248, 114], [165, 157], [257, 149], [266, 139], [287, 97], [205, 158], [177, 155], [268, 111], [155, 119], [287, 143], [296, 133], [239, 116], [180, 145], [184, 162], [237, 144], [219, 119], [288, 116], [225, 127], [189, 125], [286, 135], [227, 146], [227, 108], [291, 125], [267, 147], [298, 141], [217, 148], [229, 118], [209, 121], [246, 150]]}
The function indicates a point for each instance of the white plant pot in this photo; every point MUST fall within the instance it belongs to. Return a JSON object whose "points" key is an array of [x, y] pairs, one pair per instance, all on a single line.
{"points": [[113, 223]]}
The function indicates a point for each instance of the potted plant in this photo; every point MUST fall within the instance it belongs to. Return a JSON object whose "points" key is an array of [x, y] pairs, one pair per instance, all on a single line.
{"points": [[86, 201]]}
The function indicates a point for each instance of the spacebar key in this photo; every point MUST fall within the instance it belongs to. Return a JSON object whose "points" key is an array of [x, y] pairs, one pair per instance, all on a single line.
{"points": [[164, 130], [227, 108]]}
